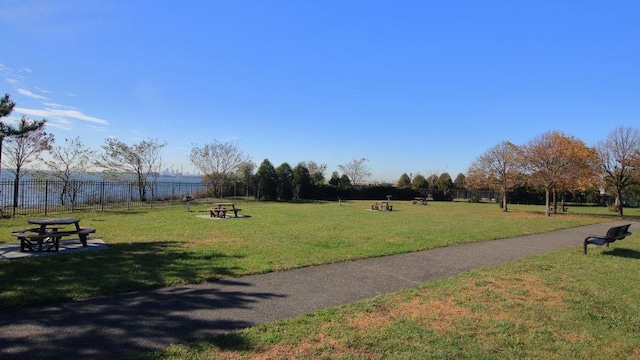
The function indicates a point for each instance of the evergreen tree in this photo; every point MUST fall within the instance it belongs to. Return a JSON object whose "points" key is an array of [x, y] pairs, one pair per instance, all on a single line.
{"points": [[285, 181], [404, 181], [267, 179]]}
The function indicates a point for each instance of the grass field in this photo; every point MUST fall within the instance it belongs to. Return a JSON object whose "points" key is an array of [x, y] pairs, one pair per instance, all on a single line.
{"points": [[560, 305], [169, 246], [556, 305]]}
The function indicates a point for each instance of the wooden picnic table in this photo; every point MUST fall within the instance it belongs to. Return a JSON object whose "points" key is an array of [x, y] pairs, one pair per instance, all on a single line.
{"points": [[220, 209], [48, 232], [382, 205]]}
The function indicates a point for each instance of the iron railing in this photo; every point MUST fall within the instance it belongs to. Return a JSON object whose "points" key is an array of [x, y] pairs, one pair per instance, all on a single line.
{"points": [[45, 196]]}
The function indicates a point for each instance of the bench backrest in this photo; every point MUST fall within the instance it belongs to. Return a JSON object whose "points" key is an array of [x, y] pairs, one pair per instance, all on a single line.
{"points": [[613, 232], [624, 231]]}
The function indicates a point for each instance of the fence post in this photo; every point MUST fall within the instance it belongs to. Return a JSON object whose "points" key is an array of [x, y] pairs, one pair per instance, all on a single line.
{"points": [[46, 196], [102, 195]]}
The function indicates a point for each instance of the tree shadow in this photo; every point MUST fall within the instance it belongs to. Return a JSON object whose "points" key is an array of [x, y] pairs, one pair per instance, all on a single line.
{"points": [[119, 268], [133, 323]]}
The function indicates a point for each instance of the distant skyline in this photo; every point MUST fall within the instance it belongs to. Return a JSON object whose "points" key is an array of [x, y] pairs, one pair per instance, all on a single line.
{"points": [[413, 86]]}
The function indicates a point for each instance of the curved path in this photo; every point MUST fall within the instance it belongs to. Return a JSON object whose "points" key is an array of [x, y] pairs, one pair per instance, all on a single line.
{"points": [[134, 323]]}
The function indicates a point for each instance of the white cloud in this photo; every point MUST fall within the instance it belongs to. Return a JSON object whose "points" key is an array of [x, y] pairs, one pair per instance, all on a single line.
{"points": [[62, 115], [57, 115], [59, 106], [30, 94], [43, 90]]}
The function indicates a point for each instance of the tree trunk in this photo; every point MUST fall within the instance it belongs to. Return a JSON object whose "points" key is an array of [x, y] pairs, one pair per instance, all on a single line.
{"points": [[547, 201], [618, 203], [16, 190], [504, 199]]}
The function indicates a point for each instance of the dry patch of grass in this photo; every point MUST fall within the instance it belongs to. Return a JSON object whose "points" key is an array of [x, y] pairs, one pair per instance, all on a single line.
{"points": [[476, 307]]}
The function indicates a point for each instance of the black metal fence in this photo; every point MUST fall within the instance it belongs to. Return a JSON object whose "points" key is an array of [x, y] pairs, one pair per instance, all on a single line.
{"points": [[45, 196]]}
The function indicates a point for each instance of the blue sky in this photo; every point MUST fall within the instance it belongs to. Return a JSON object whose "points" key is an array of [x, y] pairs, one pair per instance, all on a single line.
{"points": [[413, 86]]}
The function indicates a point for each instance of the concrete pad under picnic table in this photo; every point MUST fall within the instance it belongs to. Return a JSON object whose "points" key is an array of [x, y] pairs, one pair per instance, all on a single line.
{"points": [[67, 246]]}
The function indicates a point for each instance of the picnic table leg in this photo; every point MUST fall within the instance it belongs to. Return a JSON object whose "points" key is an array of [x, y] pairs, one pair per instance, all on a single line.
{"points": [[83, 239]]}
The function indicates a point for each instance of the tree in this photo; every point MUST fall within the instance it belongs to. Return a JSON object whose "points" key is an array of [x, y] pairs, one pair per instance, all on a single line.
{"points": [[344, 182], [245, 173], [419, 182], [6, 130], [24, 148], [301, 181], [316, 172], [68, 164], [432, 181], [551, 159], [499, 168], [404, 181], [6, 106], [285, 181], [335, 179], [444, 183], [217, 161], [619, 160], [459, 182], [267, 180], [582, 171], [143, 160], [356, 170]]}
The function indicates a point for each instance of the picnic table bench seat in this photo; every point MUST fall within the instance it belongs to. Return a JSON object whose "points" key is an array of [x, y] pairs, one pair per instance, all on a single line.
{"points": [[382, 205], [222, 212], [419, 200], [613, 234], [32, 240]]}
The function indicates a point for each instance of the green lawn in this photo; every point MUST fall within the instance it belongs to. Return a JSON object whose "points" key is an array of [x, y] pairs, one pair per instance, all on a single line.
{"points": [[557, 305], [168, 246], [560, 305]]}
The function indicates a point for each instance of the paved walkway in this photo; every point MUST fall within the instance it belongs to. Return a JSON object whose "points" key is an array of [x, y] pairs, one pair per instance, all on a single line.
{"points": [[134, 323]]}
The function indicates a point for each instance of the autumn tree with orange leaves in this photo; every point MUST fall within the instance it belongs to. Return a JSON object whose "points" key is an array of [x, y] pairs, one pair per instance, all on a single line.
{"points": [[557, 162], [499, 169]]}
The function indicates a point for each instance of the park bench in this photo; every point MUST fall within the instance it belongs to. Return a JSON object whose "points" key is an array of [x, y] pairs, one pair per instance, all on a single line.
{"points": [[613, 234], [419, 200]]}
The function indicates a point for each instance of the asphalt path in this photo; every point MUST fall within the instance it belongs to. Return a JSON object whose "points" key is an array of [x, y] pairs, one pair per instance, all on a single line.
{"points": [[134, 323]]}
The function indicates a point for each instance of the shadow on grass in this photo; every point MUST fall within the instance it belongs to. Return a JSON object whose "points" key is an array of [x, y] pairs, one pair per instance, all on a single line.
{"points": [[131, 321], [621, 252], [120, 268]]}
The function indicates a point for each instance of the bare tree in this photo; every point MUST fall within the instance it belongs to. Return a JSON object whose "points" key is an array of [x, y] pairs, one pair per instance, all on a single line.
{"points": [[499, 169], [316, 172], [356, 170], [620, 161], [143, 160], [217, 161], [21, 150], [69, 164]]}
